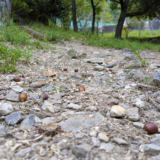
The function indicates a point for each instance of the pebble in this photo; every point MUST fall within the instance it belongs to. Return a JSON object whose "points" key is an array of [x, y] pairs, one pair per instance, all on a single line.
{"points": [[93, 134], [18, 89], [36, 84], [98, 68], [5, 108], [119, 141], [112, 101], [47, 106], [91, 108], [103, 136], [158, 107], [12, 96], [140, 103], [28, 122], [138, 125], [41, 143], [156, 77], [13, 118], [108, 147], [81, 150], [62, 144], [2, 130], [55, 96], [49, 88], [74, 106], [110, 65], [158, 100], [42, 77], [117, 111], [96, 60], [95, 141], [133, 114], [150, 149]]}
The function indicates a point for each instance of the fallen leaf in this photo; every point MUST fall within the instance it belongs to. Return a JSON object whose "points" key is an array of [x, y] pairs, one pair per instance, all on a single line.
{"points": [[49, 73]]}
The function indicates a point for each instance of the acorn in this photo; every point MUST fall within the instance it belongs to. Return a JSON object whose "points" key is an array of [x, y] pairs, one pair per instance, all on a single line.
{"points": [[65, 69], [44, 96], [16, 79], [81, 88], [76, 70], [22, 97], [151, 128]]}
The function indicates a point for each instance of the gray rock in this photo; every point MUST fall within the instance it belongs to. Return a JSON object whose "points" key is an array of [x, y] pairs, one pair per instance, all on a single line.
{"points": [[110, 65], [23, 152], [95, 141], [133, 114], [103, 136], [139, 103], [156, 140], [107, 146], [150, 149], [158, 100], [96, 60], [36, 96], [156, 77], [117, 111], [74, 106], [78, 135], [91, 108], [63, 144], [2, 130], [42, 77], [79, 122], [49, 120], [81, 150], [36, 84], [121, 82], [47, 106], [12, 96], [62, 79], [28, 122], [73, 54], [155, 157], [158, 107], [55, 96], [98, 68], [93, 133], [5, 108], [119, 141], [13, 118], [54, 158], [17, 89], [138, 125], [48, 89]]}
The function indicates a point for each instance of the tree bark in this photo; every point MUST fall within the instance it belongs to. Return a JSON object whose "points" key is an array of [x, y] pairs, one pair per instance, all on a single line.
{"points": [[124, 5], [94, 15], [8, 12], [74, 16]]}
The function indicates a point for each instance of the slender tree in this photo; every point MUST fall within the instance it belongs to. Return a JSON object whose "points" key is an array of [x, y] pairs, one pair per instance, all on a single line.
{"points": [[131, 8], [74, 16]]}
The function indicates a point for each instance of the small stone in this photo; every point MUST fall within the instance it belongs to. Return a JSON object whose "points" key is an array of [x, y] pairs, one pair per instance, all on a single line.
{"points": [[99, 68], [96, 60], [119, 140], [62, 144], [54, 158], [41, 143], [13, 118], [140, 103], [5, 108], [36, 96], [42, 77], [81, 150], [48, 89], [156, 157], [12, 96], [103, 136], [47, 106], [156, 77], [150, 149], [138, 125], [23, 152], [110, 65], [28, 122], [17, 89], [78, 135], [49, 73], [55, 96], [133, 114], [91, 108], [117, 111], [158, 107], [49, 120], [108, 147], [74, 106], [95, 141], [112, 101], [36, 84], [158, 100], [2, 130], [93, 133], [43, 81]]}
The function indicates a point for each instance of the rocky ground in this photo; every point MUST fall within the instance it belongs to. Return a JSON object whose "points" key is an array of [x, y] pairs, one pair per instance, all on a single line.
{"points": [[104, 122]]}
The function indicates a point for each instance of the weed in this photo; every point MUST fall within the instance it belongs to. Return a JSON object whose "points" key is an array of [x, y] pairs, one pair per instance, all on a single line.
{"points": [[127, 71], [132, 90], [147, 79]]}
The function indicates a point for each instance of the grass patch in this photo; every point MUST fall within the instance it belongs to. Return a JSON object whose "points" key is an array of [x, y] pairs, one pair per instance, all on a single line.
{"points": [[56, 34]]}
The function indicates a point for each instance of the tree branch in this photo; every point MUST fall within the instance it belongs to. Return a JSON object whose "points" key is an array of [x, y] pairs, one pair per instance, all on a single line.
{"points": [[146, 9], [97, 3]]}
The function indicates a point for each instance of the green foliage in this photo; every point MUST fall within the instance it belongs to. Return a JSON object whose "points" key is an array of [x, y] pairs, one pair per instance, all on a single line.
{"points": [[127, 71], [14, 34], [126, 30], [147, 79]]}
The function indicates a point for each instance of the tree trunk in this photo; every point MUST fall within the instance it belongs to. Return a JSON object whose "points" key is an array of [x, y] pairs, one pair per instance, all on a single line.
{"points": [[124, 6], [8, 12], [74, 16], [94, 15], [120, 24]]}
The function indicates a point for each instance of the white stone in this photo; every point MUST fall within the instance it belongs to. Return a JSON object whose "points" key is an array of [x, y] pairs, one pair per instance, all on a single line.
{"points": [[74, 106], [117, 111], [133, 114], [119, 140], [98, 68], [103, 136], [138, 125], [5, 108], [47, 106], [140, 103]]}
